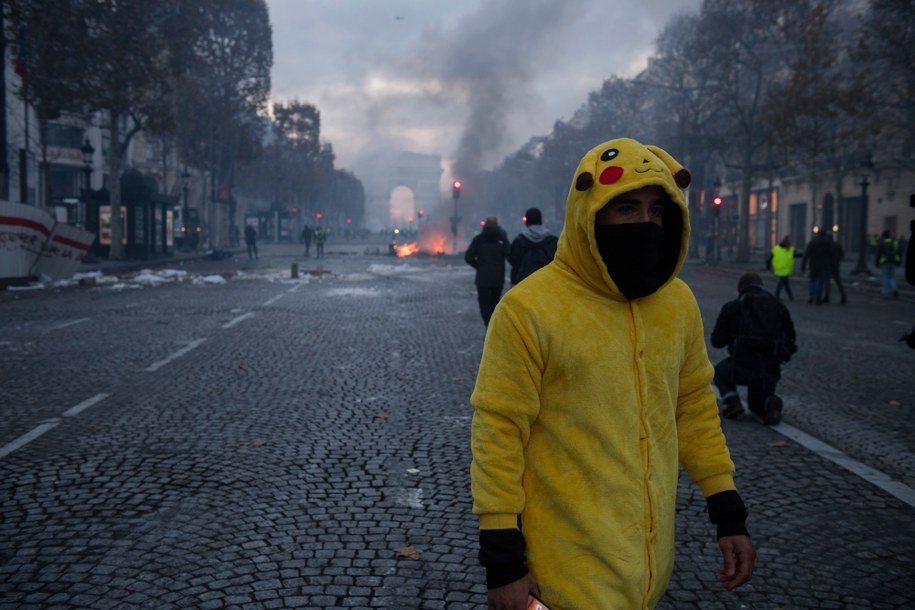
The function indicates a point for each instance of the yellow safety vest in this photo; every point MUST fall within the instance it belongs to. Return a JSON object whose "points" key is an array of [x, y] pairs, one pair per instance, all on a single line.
{"points": [[782, 261]]}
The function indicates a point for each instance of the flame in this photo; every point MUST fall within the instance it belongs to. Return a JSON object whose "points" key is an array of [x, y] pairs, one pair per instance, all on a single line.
{"points": [[430, 243], [407, 249]]}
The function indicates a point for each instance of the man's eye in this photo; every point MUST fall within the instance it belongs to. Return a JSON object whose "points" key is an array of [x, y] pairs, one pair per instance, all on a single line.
{"points": [[657, 210]]}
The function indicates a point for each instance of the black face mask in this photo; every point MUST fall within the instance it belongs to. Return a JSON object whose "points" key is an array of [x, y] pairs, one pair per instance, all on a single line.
{"points": [[632, 253]]}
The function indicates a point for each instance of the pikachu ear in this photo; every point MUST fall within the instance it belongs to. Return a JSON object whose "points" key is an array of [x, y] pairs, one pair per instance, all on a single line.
{"points": [[584, 181], [681, 175]]}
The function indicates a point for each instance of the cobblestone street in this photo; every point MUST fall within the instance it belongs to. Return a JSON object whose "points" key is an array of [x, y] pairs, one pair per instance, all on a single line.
{"points": [[276, 443]]}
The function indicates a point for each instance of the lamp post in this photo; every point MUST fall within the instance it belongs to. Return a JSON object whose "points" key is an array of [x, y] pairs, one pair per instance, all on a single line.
{"points": [[87, 150], [83, 208], [861, 267], [455, 219], [185, 181], [716, 222]]}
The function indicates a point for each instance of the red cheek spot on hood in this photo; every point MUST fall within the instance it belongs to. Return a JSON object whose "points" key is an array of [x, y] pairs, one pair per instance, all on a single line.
{"points": [[611, 175]]}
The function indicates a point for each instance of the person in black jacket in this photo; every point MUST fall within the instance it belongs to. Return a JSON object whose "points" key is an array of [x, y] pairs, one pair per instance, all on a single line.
{"points": [[819, 256], [532, 248], [759, 334], [487, 253]]}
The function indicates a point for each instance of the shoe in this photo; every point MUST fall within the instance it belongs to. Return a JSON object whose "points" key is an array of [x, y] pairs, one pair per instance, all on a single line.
{"points": [[773, 412], [732, 407]]}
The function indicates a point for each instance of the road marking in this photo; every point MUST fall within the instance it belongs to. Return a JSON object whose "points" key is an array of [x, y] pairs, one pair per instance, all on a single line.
{"points": [[158, 365], [28, 437], [294, 288], [66, 324], [873, 476], [274, 300], [232, 323], [85, 405]]}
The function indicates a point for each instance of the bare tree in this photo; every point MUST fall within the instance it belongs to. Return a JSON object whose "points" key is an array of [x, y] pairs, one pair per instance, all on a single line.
{"points": [[887, 51]]}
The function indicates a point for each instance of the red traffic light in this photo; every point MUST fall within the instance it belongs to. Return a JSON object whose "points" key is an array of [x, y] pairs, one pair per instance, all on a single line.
{"points": [[349, 221], [456, 189], [717, 201], [421, 213], [294, 210], [319, 215]]}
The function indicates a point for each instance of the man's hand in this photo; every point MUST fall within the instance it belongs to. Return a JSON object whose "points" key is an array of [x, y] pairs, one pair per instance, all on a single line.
{"points": [[739, 558], [513, 596]]}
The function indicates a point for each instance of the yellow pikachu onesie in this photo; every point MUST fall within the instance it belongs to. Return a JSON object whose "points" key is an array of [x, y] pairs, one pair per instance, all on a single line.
{"points": [[586, 401]]}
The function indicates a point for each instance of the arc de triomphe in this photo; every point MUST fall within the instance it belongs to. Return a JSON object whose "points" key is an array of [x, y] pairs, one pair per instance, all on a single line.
{"points": [[387, 170]]}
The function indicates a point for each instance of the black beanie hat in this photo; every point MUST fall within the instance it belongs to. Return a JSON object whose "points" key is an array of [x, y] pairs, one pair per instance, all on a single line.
{"points": [[533, 217]]}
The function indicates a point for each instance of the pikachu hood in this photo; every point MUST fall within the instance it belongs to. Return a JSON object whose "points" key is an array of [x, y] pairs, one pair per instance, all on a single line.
{"points": [[587, 402], [605, 172]]}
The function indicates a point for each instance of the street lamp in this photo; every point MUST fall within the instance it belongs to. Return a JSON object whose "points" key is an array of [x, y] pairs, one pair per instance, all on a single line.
{"points": [[87, 151], [861, 267], [455, 219], [716, 224], [185, 182]]}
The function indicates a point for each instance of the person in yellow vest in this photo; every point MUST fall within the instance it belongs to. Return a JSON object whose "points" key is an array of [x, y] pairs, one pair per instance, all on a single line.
{"points": [[781, 261]]}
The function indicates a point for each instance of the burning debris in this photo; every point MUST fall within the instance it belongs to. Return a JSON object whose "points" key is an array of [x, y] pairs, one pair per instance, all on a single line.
{"points": [[430, 244]]}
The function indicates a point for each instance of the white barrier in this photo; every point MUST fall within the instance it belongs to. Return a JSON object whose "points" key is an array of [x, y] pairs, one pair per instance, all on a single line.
{"points": [[63, 252], [31, 243], [24, 229]]}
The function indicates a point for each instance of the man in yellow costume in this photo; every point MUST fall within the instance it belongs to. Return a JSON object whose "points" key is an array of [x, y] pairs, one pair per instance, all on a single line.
{"points": [[587, 401]]}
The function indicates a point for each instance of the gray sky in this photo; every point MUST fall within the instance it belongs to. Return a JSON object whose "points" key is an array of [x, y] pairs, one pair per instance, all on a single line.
{"points": [[470, 80]]}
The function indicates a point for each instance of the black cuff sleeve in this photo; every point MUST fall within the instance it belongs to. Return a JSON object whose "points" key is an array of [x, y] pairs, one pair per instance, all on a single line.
{"points": [[502, 554], [727, 511]]}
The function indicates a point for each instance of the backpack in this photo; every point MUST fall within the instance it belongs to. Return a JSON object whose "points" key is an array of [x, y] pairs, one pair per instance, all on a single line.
{"points": [[760, 330], [537, 255]]}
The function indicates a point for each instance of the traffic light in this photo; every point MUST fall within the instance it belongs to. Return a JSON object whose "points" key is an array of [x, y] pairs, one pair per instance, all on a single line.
{"points": [[456, 189], [716, 202], [294, 211], [319, 216], [421, 213]]}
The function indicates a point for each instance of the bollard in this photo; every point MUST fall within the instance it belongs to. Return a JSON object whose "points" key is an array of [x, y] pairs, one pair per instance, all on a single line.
{"points": [[295, 271]]}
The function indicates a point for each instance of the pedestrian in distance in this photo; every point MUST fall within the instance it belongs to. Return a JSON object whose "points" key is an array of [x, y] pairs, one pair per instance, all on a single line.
{"points": [[758, 331], [487, 253], [319, 236], [532, 249], [781, 262], [251, 241], [835, 271], [587, 402], [888, 258], [818, 255], [305, 238]]}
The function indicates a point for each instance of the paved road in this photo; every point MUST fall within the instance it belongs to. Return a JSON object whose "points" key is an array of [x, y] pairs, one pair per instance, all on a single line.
{"points": [[276, 443]]}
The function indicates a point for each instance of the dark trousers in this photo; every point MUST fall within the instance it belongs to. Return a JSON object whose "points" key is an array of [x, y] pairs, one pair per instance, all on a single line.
{"points": [[252, 250], [837, 278], [760, 382], [488, 298], [819, 280], [783, 282]]}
